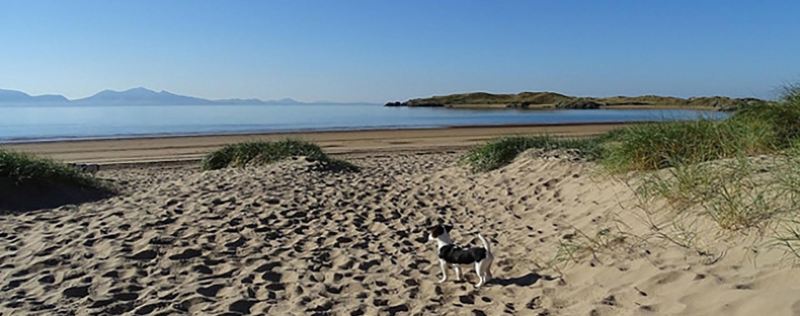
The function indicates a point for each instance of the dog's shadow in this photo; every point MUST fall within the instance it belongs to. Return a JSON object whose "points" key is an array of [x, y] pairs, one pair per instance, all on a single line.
{"points": [[525, 280]]}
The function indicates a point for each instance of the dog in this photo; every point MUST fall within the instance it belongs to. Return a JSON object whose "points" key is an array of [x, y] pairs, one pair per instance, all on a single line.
{"points": [[455, 256]]}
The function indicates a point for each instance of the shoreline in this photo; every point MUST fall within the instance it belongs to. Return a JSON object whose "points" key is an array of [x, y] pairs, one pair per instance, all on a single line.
{"points": [[161, 149], [30, 141], [549, 107]]}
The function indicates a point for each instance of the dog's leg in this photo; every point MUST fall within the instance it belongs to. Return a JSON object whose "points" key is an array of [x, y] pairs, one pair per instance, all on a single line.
{"points": [[489, 276], [457, 268], [486, 266], [443, 265], [479, 272]]}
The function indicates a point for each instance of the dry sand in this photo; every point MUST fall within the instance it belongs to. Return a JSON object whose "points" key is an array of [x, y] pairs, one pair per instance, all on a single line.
{"points": [[286, 239]]}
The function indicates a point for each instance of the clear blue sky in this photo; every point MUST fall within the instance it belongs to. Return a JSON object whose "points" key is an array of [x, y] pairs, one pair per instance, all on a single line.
{"points": [[391, 50]]}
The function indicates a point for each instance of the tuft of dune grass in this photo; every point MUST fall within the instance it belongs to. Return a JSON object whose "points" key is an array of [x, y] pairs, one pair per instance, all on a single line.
{"points": [[708, 165], [499, 152], [756, 129], [262, 152], [24, 169], [664, 145], [28, 182]]}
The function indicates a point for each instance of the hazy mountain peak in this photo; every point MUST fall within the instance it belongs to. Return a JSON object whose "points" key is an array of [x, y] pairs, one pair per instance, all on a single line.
{"points": [[12, 93], [19, 97], [140, 96], [132, 96], [139, 90]]}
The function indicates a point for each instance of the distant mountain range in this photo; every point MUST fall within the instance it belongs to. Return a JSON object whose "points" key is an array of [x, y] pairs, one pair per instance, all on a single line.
{"points": [[135, 96]]}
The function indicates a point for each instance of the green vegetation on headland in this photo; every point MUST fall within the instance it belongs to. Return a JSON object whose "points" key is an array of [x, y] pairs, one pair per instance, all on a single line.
{"points": [[28, 182], [259, 153], [544, 100]]}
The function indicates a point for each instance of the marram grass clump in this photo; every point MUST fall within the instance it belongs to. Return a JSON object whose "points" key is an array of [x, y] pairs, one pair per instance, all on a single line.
{"points": [[28, 182], [500, 152], [662, 145], [262, 152], [782, 118], [25, 169], [757, 129]]}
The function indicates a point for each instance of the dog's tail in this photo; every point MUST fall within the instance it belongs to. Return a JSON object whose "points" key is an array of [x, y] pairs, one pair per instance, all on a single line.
{"points": [[485, 244]]}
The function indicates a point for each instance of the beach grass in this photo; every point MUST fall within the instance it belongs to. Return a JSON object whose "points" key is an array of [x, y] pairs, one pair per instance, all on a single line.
{"points": [[663, 145], [706, 166], [500, 152], [24, 169], [28, 182], [757, 129], [714, 170], [263, 152]]}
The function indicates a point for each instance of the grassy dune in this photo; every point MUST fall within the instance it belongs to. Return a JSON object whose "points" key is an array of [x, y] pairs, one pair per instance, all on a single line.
{"points": [[500, 152], [29, 182], [255, 153], [758, 129], [741, 173]]}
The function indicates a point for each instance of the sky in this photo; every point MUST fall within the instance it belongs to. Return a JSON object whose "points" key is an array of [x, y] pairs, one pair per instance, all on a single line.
{"points": [[378, 51]]}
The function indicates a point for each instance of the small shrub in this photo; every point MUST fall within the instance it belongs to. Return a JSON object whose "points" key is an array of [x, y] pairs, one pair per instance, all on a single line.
{"points": [[243, 154]]}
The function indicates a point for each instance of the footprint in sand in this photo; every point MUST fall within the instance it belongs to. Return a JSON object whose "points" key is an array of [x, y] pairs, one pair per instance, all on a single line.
{"points": [[210, 291], [186, 254], [76, 291], [241, 306], [145, 255]]}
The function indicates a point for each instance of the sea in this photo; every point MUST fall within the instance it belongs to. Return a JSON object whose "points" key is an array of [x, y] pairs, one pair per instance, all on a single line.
{"points": [[26, 123]]}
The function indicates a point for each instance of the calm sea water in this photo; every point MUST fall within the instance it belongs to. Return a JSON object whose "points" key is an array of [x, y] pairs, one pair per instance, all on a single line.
{"points": [[27, 123]]}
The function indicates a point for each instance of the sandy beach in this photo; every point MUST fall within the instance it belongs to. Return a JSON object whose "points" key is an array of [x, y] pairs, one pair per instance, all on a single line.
{"points": [[399, 158], [192, 148], [289, 239]]}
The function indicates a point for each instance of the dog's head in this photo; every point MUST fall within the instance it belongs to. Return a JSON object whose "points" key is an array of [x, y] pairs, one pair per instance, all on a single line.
{"points": [[438, 230]]}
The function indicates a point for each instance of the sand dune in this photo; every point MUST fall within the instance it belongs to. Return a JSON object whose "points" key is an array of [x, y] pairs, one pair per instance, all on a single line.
{"points": [[287, 239]]}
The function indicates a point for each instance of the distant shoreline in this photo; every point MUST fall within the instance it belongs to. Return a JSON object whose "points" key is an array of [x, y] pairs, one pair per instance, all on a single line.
{"points": [[554, 100], [259, 131], [28, 141]]}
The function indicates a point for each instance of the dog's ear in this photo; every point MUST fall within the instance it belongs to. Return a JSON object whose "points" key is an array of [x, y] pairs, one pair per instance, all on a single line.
{"points": [[447, 227], [437, 231]]}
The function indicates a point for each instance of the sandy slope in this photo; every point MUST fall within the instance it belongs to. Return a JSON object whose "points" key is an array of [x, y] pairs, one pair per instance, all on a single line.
{"points": [[286, 239]]}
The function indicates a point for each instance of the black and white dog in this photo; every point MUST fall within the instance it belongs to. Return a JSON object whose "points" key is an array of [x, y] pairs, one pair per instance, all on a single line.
{"points": [[455, 256]]}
